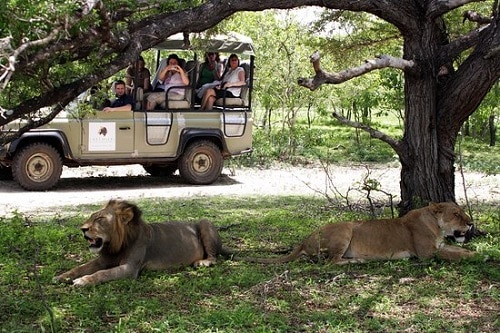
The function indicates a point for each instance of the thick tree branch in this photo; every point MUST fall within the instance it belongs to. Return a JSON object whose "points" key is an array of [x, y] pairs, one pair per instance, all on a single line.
{"points": [[376, 134], [452, 50], [322, 77]]}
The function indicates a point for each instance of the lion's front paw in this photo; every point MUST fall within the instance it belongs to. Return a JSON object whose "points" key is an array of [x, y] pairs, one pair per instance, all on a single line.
{"points": [[83, 281]]}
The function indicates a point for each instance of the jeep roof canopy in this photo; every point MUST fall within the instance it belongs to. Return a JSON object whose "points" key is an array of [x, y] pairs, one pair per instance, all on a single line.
{"points": [[232, 42]]}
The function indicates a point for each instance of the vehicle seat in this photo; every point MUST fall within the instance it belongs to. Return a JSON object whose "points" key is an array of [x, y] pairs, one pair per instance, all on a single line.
{"points": [[192, 70], [173, 101], [161, 66], [138, 96], [237, 102]]}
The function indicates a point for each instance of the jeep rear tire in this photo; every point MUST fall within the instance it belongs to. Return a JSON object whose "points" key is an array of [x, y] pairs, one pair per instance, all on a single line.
{"points": [[201, 163], [37, 167]]}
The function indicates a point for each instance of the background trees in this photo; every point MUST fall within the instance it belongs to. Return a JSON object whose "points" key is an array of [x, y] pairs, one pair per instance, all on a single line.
{"points": [[52, 51]]}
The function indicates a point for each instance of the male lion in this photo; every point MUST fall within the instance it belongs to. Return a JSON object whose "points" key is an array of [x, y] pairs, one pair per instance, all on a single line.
{"points": [[420, 233], [126, 245]]}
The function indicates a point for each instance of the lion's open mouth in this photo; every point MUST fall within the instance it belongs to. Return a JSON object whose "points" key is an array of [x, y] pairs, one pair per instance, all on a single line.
{"points": [[94, 243]]}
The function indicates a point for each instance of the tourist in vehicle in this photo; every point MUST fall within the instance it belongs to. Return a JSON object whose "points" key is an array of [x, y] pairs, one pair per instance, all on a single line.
{"points": [[123, 101], [230, 86], [171, 76], [210, 73], [143, 80]]}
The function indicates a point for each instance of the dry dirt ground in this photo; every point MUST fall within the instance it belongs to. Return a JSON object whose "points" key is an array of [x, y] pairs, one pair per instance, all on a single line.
{"points": [[99, 184]]}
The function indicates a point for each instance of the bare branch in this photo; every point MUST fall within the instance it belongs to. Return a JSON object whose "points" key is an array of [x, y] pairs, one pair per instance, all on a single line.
{"points": [[395, 144], [440, 7], [7, 71], [321, 77], [88, 5], [475, 17], [13, 55]]}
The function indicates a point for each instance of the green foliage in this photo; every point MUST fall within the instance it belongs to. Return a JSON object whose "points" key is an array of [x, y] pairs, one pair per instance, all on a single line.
{"points": [[478, 123], [478, 156], [237, 296]]}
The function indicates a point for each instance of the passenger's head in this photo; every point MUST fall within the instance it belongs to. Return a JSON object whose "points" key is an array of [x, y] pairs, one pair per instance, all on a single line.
{"points": [[233, 60], [119, 87], [140, 62], [212, 56], [173, 60]]}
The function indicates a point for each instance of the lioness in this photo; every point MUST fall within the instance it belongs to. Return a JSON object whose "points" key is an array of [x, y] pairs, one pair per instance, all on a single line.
{"points": [[420, 233], [126, 245]]}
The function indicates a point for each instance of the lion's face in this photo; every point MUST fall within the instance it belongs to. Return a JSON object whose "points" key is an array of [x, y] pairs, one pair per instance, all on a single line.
{"points": [[452, 220], [98, 229], [108, 227]]}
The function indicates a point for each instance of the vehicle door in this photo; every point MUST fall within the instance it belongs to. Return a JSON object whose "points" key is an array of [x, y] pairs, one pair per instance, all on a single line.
{"points": [[156, 133], [108, 134]]}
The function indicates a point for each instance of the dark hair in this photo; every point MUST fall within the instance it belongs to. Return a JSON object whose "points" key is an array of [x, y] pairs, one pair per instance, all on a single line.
{"points": [[139, 58], [117, 82], [234, 55], [173, 56], [217, 57]]}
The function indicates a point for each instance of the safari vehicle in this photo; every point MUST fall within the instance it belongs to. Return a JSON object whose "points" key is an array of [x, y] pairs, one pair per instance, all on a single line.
{"points": [[176, 137]]}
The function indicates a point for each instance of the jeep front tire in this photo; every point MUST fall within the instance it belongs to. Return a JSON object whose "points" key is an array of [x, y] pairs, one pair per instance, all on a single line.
{"points": [[201, 163], [37, 167]]}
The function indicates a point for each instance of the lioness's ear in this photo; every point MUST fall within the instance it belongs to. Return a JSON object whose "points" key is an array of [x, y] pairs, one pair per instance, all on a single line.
{"points": [[434, 207], [126, 215]]}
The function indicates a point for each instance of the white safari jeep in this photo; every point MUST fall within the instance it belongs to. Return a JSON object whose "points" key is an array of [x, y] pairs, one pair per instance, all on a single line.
{"points": [[176, 137]]}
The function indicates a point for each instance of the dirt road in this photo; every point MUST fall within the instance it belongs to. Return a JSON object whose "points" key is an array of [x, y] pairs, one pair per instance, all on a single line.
{"points": [[99, 184]]}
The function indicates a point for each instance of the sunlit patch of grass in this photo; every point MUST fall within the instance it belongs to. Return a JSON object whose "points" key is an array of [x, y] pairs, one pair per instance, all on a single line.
{"points": [[477, 155], [325, 140]]}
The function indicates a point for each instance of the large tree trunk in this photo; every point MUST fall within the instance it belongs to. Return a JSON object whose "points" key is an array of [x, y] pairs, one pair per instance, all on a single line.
{"points": [[438, 101], [427, 172]]}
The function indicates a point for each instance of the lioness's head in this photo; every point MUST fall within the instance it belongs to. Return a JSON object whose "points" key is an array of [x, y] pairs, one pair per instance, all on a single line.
{"points": [[451, 219], [111, 227]]}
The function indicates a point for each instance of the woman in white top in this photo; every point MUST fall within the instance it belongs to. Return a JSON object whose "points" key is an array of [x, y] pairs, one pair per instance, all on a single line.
{"points": [[171, 76], [231, 84]]}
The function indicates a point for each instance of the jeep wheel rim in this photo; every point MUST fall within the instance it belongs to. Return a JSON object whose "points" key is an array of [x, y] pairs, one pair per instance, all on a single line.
{"points": [[202, 163], [39, 168]]}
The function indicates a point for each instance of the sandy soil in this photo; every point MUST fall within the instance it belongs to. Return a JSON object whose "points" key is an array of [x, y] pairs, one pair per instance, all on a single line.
{"points": [[99, 184]]}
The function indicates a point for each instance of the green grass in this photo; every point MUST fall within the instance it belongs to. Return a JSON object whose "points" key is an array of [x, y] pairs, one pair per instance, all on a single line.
{"points": [[418, 296]]}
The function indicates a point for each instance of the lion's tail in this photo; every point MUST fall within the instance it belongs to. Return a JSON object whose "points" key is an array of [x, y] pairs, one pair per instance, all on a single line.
{"points": [[297, 252], [227, 252]]}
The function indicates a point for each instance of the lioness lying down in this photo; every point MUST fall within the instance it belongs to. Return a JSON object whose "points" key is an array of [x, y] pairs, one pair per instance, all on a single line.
{"points": [[126, 245], [420, 233]]}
